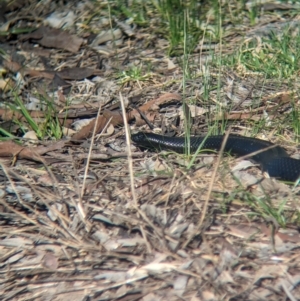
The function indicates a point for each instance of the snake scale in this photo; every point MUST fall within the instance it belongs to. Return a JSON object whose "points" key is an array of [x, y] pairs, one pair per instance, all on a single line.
{"points": [[272, 158]]}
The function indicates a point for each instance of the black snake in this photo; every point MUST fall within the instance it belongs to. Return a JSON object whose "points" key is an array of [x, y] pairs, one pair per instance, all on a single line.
{"points": [[272, 158]]}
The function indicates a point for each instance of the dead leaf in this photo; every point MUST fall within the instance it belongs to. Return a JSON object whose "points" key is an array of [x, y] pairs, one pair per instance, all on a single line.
{"points": [[208, 296], [180, 284], [61, 19], [152, 297], [127, 28], [12, 149], [270, 271], [87, 130], [9, 115], [50, 261], [243, 231], [106, 36], [12, 66], [54, 38], [6, 84], [76, 73], [41, 150], [58, 82], [116, 117], [194, 111], [39, 73], [31, 135], [290, 236], [19, 242]]}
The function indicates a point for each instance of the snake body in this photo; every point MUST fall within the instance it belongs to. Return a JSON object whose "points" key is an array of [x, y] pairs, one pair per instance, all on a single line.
{"points": [[272, 158]]}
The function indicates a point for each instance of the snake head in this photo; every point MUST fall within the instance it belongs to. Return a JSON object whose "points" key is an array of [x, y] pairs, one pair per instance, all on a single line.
{"points": [[138, 137]]}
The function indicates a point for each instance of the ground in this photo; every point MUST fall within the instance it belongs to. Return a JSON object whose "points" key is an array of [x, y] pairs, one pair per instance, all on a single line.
{"points": [[85, 213]]}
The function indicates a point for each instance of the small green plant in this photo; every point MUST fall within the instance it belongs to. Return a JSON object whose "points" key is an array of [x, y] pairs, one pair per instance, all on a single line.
{"points": [[134, 74], [32, 123], [137, 11], [49, 125], [262, 206], [276, 56], [4, 133], [295, 120], [181, 20], [253, 13]]}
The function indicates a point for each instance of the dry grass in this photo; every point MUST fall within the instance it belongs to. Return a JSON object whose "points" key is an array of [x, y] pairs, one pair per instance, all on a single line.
{"points": [[102, 220]]}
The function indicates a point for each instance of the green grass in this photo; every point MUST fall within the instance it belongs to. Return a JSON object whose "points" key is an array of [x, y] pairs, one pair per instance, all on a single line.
{"points": [[5, 134], [138, 11], [181, 22], [26, 114], [263, 206], [175, 20], [16, 31], [46, 127], [275, 57], [134, 74], [295, 118]]}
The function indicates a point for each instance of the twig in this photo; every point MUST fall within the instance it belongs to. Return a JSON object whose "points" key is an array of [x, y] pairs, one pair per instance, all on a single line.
{"points": [[204, 211], [130, 169]]}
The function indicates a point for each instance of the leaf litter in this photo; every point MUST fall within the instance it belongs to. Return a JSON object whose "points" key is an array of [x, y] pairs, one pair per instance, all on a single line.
{"points": [[58, 243]]}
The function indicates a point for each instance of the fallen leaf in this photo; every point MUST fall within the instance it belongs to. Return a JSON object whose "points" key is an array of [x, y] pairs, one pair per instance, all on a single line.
{"points": [[180, 282], [68, 73], [243, 231], [116, 117], [87, 130], [31, 135], [39, 73], [54, 38], [12, 149], [107, 36], [76, 73], [12, 66], [270, 271], [50, 261], [6, 84], [61, 19], [194, 111], [58, 82]]}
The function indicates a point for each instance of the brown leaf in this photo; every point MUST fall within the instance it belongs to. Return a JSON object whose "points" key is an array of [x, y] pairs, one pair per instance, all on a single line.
{"points": [[163, 99], [12, 149], [6, 84], [12, 66], [293, 236], [243, 230], [154, 104], [54, 38], [87, 130], [50, 261], [8, 115], [58, 82], [39, 73], [76, 73], [41, 150], [116, 117], [68, 73]]}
